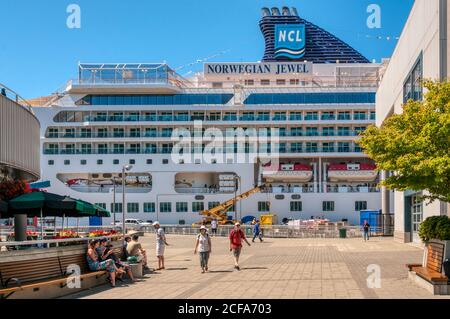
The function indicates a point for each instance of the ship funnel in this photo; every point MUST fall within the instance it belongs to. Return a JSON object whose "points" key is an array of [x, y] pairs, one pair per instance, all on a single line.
{"points": [[285, 11], [275, 11], [265, 12]]}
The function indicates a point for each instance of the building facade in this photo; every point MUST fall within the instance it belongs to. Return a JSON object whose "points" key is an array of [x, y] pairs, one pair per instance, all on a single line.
{"points": [[421, 53], [290, 123], [19, 138]]}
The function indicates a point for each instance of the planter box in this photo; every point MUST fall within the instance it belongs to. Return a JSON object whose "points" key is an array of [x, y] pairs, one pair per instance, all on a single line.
{"points": [[445, 243]]}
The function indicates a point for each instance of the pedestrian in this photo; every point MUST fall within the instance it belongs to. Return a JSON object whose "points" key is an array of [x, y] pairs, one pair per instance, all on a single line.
{"points": [[256, 231], [366, 229], [161, 244], [214, 226], [236, 238], [203, 245]]}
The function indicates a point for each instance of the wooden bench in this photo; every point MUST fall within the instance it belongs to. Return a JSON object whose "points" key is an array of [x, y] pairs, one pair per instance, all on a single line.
{"points": [[432, 271], [36, 273]]}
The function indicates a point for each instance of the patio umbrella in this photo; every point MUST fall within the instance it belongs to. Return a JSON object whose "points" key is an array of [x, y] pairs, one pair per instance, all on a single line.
{"points": [[43, 204]]}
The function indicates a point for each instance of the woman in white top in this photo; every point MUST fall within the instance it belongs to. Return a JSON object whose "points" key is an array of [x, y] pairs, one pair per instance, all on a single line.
{"points": [[203, 245]]}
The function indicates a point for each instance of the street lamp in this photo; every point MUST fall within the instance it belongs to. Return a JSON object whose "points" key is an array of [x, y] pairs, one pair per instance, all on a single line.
{"points": [[237, 179], [125, 168], [114, 200]]}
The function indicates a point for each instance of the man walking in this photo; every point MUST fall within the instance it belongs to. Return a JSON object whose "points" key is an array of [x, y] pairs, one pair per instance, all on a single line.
{"points": [[236, 237], [366, 229], [256, 231], [214, 227]]}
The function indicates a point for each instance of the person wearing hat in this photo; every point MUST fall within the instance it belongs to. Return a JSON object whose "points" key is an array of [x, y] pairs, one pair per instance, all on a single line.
{"points": [[161, 244], [236, 237], [203, 245]]}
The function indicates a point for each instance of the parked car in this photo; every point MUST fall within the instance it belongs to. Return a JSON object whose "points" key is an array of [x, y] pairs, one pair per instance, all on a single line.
{"points": [[135, 224]]}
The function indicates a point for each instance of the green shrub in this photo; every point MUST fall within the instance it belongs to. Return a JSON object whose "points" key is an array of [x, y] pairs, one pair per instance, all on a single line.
{"points": [[435, 227]]}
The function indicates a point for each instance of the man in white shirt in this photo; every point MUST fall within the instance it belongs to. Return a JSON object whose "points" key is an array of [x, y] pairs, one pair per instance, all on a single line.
{"points": [[214, 227]]}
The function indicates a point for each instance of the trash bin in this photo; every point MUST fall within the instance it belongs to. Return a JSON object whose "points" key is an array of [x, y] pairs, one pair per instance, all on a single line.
{"points": [[343, 233]]}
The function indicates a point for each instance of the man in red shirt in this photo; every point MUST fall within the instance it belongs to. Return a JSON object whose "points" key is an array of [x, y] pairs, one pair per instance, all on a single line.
{"points": [[236, 238]]}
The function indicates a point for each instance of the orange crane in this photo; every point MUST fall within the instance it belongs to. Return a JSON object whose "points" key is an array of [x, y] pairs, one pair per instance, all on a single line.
{"points": [[220, 212]]}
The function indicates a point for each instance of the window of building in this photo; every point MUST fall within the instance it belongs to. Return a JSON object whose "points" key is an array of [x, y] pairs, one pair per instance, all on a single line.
{"points": [[116, 162], [344, 116], [149, 207], [165, 207], [362, 116], [99, 162], [265, 82], [165, 161], [296, 206], [263, 206], [217, 85], [117, 208], [413, 88], [198, 206], [83, 162], [51, 162], [182, 207], [249, 82], [281, 82], [294, 81], [66, 162], [132, 207], [132, 161], [328, 206], [360, 205], [149, 161], [311, 116]]}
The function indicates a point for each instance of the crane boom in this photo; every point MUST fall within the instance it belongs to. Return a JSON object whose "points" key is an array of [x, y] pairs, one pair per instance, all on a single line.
{"points": [[220, 211]]}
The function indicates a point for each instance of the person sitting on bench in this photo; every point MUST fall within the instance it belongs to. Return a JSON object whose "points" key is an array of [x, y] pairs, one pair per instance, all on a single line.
{"points": [[95, 264], [134, 249], [105, 253]]}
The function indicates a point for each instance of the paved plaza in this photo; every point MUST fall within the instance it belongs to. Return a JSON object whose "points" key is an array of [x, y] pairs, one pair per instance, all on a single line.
{"points": [[276, 268]]}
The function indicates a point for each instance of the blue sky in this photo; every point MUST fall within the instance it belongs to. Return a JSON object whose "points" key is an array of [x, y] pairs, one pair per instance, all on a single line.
{"points": [[39, 53]]}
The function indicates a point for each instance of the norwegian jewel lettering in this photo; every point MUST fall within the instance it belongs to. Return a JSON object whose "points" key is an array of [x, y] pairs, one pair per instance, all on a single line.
{"points": [[257, 68]]}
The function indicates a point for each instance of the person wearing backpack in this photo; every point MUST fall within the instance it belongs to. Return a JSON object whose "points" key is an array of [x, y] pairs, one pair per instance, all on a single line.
{"points": [[203, 245], [236, 238]]}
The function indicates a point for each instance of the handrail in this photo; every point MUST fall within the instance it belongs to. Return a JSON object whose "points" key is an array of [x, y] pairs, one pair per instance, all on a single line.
{"points": [[14, 96]]}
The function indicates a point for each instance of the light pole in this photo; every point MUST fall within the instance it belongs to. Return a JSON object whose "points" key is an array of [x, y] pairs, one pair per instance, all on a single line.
{"points": [[125, 169], [237, 179], [114, 200]]}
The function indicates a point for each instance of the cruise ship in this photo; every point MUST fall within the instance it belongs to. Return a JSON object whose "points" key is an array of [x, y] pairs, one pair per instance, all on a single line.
{"points": [[288, 123]]}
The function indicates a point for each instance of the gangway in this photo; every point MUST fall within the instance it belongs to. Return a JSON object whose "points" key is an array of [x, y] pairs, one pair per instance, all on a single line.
{"points": [[219, 212]]}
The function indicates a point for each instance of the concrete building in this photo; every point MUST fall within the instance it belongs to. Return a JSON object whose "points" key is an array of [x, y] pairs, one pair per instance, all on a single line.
{"points": [[421, 53], [19, 138]]}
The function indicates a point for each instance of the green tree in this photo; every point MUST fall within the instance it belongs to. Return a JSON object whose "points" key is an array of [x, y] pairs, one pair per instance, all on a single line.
{"points": [[415, 145]]}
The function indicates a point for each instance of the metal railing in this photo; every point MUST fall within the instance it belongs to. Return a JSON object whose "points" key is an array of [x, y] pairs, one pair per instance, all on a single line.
{"points": [[12, 95], [276, 231]]}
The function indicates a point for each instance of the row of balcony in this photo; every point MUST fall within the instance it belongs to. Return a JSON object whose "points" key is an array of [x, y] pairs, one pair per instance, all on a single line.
{"points": [[330, 149], [154, 134], [244, 118]]}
